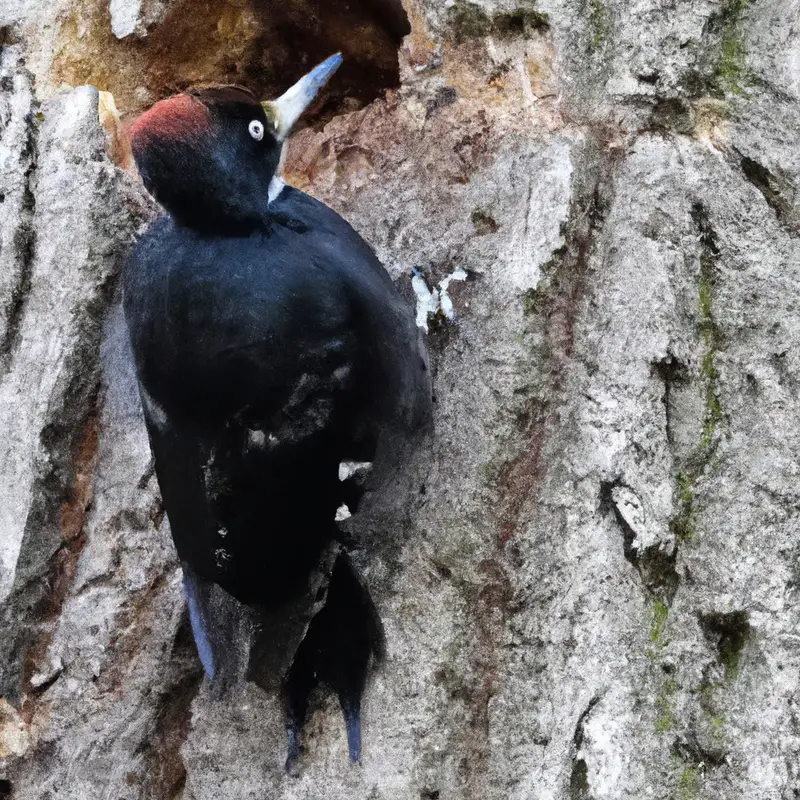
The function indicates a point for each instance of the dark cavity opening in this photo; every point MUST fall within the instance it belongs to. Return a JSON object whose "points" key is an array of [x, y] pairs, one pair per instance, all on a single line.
{"points": [[263, 45], [728, 634]]}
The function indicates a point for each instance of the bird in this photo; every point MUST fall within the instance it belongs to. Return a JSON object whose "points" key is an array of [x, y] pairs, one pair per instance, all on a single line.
{"points": [[281, 375]]}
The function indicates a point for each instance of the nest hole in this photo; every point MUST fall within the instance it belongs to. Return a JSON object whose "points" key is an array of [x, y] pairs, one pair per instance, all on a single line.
{"points": [[262, 45]]}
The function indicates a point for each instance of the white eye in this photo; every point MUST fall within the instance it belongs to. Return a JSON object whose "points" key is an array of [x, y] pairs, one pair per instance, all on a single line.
{"points": [[256, 128]]}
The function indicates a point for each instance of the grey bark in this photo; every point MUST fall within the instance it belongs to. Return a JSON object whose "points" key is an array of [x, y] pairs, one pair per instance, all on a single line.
{"points": [[594, 591]]}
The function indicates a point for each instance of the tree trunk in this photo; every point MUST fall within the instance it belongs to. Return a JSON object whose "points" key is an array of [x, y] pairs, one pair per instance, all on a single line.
{"points": [[593, 588]]}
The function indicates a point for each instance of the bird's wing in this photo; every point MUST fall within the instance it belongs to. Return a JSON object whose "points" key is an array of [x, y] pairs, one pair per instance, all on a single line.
{"points": [[251, 496], [246, 535]]}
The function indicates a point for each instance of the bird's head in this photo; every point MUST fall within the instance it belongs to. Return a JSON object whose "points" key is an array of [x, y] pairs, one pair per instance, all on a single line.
{"points": [[209, 155]]}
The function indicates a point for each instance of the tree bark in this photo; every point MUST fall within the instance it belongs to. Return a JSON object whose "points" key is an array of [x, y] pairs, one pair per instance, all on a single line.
{"points": [[592, 589]]}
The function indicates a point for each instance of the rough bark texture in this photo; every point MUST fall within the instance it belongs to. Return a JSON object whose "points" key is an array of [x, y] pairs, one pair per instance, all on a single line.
{"points": [[594, 592]]}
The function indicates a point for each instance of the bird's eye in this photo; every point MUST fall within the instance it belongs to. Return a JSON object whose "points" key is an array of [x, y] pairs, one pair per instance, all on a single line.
{"points": [[256, 128]]}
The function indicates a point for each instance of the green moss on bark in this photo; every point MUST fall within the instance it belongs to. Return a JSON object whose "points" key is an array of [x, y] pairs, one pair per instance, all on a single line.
{"points": [[732, 74], [599, 24]]}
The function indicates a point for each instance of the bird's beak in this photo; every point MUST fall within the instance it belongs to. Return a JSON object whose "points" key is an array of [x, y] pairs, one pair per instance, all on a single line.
{"points": [[285, 111]]}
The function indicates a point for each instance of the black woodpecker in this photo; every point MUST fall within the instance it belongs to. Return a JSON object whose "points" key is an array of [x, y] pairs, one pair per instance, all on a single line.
{"points": [[272, 351]]}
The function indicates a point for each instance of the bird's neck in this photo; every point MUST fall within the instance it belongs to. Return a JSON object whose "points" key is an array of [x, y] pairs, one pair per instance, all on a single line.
{"points": [[215, 215]]}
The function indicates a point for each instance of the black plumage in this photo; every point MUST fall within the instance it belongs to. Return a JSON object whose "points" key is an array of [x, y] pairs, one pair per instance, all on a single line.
{"points": [[270, 346]]}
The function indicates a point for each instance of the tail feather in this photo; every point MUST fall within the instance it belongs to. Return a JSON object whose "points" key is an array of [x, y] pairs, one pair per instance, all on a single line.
{"points": [[222, 629], [351, 710], [199, 623], [336, 651]]}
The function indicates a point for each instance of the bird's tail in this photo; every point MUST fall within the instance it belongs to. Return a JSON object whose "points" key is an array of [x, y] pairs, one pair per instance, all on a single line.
{"points": [[337, 649], [222, 629]]}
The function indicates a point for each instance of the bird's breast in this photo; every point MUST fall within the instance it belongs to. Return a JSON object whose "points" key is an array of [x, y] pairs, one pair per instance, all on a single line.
{"points": [[221, 319]]}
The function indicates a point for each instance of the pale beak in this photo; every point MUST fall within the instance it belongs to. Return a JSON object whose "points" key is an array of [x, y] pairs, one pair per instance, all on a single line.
{"points": [[286, 110]]}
